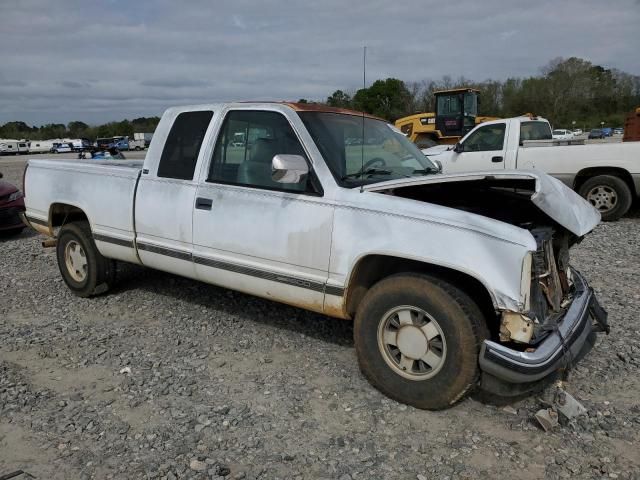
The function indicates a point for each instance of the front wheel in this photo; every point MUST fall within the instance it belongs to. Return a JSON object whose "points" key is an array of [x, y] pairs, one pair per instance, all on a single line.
{"points": [[417, 340], [610, 195], [85, 271]]}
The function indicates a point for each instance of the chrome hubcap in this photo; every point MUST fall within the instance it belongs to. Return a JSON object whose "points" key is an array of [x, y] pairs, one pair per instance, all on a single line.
{"points": [[412, 343], [603, 198], [76, 261]]}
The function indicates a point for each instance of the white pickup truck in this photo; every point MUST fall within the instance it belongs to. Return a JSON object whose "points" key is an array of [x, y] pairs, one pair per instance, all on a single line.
{"points": [[606, 174], [337, 212]]}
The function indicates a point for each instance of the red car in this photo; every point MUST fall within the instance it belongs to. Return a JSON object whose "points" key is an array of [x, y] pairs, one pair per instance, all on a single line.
{"points": [[11, 205]]}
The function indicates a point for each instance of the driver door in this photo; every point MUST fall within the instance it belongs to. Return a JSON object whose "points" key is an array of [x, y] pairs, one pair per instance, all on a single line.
{"points": [[251, 233], [483, 149]]}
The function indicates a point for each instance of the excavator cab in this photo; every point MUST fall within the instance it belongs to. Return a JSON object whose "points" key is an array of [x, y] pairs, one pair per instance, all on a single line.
{"points": [[456, 111]]}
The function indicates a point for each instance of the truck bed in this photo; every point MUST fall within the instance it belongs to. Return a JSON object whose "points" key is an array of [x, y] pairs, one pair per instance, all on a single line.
{"points": [[104, 190], [565, 161]]}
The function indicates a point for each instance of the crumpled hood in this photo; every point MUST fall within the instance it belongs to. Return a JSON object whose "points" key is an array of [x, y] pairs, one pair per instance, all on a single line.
{"points": [[551, 196]]}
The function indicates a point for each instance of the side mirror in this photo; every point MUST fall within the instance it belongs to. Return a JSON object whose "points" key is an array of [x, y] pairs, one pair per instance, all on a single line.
{"points": [[458, 148], [288, 168], [1, 175], [438, 164]]}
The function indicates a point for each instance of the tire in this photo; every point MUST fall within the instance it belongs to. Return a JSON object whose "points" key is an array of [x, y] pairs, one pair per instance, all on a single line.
{"points": [[461, 328], [609, 194], [93, 273]]}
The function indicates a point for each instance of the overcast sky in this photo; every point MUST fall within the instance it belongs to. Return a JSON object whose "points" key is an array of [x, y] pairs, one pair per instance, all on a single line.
{"points": [[98, 61]]}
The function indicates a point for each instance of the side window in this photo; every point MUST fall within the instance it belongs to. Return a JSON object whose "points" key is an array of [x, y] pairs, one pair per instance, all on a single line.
{"points": [[183, 144], [534, 131], [246, 145], [487, 138]]}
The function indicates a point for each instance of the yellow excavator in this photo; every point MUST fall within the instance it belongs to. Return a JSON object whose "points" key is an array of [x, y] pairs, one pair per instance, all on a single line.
{"points": [[456, 113]]}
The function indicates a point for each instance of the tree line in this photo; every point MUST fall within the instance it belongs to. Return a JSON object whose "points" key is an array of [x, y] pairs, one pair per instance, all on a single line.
{"points": [[566, 91], [77, 129]]}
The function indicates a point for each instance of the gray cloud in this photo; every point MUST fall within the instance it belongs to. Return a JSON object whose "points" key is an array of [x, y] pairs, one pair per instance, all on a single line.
{"points": [[99, 61]]}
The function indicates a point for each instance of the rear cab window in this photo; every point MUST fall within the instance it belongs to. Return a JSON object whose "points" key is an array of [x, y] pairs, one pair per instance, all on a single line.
{"points": [[534, 131], [183, 143]]}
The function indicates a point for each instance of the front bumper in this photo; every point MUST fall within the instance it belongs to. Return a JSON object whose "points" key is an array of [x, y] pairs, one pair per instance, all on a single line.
{"points": [[570, 342]]}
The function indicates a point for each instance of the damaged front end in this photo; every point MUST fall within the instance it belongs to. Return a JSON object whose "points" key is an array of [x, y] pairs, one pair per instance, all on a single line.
{"points": [[551, 325], [555, 329]]}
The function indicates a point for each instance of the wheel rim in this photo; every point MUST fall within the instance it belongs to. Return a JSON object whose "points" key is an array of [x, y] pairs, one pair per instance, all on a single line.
{"points": [[76, 261], [412, 343], [602, 197]]}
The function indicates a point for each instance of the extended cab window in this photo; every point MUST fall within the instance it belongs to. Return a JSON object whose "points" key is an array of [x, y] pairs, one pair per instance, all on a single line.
{"points": [[486, 138], [183, 144], [246, 145], [534, 131]]}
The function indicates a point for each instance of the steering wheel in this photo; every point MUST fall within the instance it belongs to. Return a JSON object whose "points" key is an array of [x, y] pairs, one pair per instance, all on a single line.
{"points": [[369, 163]]}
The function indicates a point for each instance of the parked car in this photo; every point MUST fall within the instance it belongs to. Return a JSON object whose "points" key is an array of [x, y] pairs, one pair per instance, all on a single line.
{"points": [[62, 148], [562, 134], [618, 131], [453, 281], [607, 131], [606, 174], [596, 133], [11, 205], [577, 132]]}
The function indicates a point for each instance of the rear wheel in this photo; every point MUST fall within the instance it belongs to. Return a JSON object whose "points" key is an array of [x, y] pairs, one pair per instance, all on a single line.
{"points": [[417, 339], [85, 271], [610, 195]]}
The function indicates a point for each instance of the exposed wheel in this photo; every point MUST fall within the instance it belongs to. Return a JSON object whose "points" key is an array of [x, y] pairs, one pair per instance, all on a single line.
{"points": [[417, 339], [85, 271], [609, 194]]}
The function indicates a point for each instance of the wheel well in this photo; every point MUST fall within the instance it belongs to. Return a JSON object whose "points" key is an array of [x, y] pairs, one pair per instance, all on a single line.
{"points": [[587, 173], [61, 213], [373, 268]]}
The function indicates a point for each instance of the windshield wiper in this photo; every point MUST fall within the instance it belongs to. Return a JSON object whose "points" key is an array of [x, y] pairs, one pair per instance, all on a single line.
{"points": [[368, 171]]}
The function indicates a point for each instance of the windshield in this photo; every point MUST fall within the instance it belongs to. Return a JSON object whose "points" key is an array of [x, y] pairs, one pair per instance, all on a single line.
{"points": [[385, 153]]}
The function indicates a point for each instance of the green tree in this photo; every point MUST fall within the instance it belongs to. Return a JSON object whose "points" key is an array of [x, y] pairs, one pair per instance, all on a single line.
{"points": [[77, 129], [389, 99], [339, 99]]}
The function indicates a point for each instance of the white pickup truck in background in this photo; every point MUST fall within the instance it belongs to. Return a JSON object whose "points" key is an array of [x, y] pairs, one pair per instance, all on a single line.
{"points": [[454, 281], [606, 174]]}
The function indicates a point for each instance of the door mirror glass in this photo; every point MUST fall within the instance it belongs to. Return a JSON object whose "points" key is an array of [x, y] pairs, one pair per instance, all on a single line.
{"points": [[288, 168]]}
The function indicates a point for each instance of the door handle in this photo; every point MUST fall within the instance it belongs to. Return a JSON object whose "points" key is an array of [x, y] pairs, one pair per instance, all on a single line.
{"points": [[203, 203], [497, 159]]}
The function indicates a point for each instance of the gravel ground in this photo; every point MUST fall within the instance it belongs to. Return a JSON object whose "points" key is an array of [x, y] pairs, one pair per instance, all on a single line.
{"points": [[170, 378]]}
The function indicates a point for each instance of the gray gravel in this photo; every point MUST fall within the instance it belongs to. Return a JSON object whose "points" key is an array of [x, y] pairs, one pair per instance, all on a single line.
{"points": [[170, 378]]}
